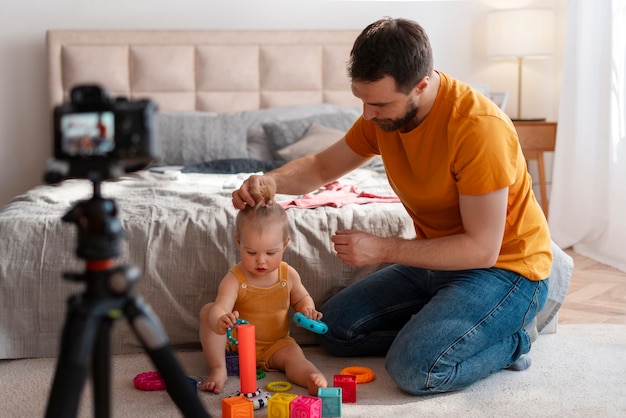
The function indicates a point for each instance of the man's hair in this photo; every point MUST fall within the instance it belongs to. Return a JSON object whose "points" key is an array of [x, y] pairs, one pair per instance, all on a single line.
{"points": [[398, 48], [259, 217]]}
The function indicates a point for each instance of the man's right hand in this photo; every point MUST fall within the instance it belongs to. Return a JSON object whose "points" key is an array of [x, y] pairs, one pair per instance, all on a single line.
{"points": [[255, 189]]}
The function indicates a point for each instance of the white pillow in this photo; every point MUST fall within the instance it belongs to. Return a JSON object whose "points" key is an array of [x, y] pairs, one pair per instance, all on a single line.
{"points": [[316, 138]]}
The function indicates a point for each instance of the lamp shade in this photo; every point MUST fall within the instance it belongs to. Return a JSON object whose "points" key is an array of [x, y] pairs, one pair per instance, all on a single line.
{"points": [[520, 33]]}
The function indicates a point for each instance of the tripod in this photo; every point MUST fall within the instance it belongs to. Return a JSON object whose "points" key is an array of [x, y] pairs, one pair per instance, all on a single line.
{"points": [[109, 295]]}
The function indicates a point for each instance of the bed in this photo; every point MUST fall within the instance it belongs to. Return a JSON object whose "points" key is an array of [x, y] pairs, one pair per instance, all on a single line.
{"points": [[230, 103]]}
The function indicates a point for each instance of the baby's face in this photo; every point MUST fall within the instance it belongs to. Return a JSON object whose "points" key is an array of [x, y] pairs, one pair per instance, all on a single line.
{"points": [[262, 251]]}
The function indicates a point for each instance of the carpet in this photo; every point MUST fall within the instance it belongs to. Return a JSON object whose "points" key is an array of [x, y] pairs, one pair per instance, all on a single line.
{"points": [[578, 372]]}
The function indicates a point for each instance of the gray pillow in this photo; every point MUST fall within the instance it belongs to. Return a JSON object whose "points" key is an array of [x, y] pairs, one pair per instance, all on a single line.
{"points": [[258, 146], [194, 137], [317, 138], [281, 133]]}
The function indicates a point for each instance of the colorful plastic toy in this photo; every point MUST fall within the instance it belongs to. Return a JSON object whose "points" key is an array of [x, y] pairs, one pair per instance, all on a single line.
{"points": [[230, 329], [278, 405], [347, 383], [306, 407], [247, 366], [363, 374], [232, 363], [331, 402], [312, 325], [237, 407]]}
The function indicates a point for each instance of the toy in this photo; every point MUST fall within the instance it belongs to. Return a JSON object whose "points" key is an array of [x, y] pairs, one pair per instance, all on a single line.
{"points": [[237, 407], [230, 329], [278, 405], [232, 363], [312, 325], [363, 374], [278, 386], [347, 383], [150, 381], [306, 407], [331, 401], [247, 366]]}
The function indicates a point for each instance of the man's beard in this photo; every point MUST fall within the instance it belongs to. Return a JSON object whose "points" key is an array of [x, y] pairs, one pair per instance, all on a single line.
{"points": [[390, 125]]}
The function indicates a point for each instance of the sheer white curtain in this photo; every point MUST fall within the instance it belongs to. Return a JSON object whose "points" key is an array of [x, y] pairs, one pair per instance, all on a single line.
{"points": [[588, 198]]}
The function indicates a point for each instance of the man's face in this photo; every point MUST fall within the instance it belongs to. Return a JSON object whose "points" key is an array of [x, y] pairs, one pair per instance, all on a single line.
{"points": [[388, 108]]}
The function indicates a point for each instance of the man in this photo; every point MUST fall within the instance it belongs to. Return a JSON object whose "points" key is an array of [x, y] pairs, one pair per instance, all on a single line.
{"points": [[452, 307]]}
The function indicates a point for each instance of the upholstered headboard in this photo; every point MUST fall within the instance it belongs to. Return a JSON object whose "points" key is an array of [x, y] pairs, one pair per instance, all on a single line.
{"points": [[205, 70]]}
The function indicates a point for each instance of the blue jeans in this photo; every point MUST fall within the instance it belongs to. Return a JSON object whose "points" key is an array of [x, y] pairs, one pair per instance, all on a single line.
{"points": [[440, 330]]}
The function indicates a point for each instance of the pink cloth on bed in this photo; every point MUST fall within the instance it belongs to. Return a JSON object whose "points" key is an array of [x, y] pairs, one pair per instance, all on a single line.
{"points": [[336, 195]]}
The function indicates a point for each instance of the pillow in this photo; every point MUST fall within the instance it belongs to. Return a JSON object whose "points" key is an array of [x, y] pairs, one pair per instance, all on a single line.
{"points": [[258, 146], [193, 137], [233, 166], [283, 133], [316, 138]]}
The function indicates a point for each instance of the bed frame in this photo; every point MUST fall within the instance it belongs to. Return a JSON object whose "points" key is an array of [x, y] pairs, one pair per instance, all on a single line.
{"points": [[211, 70]]}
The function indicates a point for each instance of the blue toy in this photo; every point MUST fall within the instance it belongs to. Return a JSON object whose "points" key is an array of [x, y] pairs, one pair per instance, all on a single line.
{"points": [[229, 334], [312, 325]]}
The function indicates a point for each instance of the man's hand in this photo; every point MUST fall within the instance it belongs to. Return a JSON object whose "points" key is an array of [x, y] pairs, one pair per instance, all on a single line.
{"points": [[357, 248], [255, 189]]}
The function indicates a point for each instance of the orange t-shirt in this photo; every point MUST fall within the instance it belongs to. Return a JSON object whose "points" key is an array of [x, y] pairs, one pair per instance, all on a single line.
{"points": [[465, 145]]}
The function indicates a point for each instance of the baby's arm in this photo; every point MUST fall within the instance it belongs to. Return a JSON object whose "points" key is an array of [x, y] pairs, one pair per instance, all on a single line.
{"points": [[301, 300], [222, 316]]}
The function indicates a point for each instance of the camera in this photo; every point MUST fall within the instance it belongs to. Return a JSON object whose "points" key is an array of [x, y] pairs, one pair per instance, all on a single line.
{"points": [[98, 137]]}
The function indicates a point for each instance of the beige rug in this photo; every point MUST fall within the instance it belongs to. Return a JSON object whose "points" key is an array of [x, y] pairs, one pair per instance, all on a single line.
{"points": [[578, 372]]}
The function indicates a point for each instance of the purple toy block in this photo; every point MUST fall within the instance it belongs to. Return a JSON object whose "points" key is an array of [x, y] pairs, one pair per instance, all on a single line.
{"points": [[232, 363]]}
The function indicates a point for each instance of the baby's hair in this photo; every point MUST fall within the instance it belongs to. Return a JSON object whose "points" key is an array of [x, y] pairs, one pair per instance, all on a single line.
{"points": [[260, 216]]}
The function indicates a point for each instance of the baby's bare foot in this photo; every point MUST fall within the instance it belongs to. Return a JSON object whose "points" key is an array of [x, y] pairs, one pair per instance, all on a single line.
{"points": [[215, 382], [316, 381]]}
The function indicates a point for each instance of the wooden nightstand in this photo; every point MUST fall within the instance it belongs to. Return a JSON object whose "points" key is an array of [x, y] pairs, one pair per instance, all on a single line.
{"points": [[536, 138]]}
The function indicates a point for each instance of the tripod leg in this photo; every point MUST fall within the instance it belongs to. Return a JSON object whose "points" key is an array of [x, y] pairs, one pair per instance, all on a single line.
{"points": [[77, 341], [101, 370], [150, 332]]}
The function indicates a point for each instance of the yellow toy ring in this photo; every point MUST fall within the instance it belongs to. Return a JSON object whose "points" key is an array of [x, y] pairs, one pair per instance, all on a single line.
{"points": [[278, 386], [363, 374]]}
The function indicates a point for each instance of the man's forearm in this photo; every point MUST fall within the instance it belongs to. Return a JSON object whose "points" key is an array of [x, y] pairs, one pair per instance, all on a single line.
{"points": [[297, 177], [454, 252]]}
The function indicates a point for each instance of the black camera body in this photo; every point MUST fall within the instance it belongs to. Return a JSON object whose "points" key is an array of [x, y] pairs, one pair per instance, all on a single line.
{"points": [[97, 137]]}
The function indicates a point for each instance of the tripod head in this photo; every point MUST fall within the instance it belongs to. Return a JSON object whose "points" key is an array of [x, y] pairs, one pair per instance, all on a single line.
{"points": [[99, 230]]}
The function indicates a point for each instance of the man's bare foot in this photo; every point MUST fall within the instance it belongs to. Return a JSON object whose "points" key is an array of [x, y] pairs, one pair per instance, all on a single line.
{"points": [[316, 381], [216, 380]]}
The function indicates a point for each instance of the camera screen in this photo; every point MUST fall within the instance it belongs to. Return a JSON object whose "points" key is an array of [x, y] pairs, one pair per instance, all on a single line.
{"points": [[88, 134]]}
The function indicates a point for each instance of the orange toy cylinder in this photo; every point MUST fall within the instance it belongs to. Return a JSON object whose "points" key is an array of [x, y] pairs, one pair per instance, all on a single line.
{"points": [[246, 336]]}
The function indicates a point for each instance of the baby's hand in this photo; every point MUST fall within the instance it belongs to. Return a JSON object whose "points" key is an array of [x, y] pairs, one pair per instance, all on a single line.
{"points": [[311, 313], [226, 321]]}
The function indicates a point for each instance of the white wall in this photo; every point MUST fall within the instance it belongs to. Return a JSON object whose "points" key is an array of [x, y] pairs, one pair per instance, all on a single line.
{"points": [[456, 29]]}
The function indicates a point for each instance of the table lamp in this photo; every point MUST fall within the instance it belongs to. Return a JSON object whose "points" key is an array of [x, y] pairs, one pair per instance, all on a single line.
{"points": [[519, 34]]}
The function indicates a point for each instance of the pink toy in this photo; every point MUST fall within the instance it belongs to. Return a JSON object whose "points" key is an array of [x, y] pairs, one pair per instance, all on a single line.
{"points": [[347, 383], [306, 407]]}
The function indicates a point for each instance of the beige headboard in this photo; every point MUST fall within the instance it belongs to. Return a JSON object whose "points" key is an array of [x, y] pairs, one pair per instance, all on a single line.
{"points": [[207, 70]]}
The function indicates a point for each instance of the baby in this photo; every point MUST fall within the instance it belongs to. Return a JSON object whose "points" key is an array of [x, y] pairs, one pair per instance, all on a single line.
{"points": [[260, 289]]}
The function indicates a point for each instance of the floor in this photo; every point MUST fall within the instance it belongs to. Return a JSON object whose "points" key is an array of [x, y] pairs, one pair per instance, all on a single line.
{"points": [[597, 294]]}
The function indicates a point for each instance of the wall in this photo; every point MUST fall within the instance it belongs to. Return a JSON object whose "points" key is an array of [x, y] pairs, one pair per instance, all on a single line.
{"points": [[456, 29]]}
